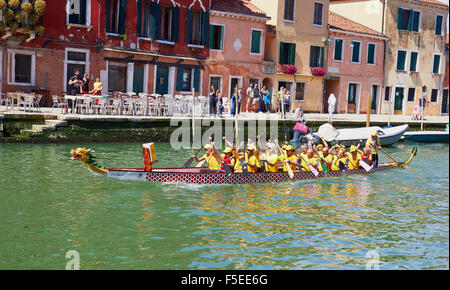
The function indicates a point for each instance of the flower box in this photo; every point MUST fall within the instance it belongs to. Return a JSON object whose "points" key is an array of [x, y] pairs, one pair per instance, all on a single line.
{"points": [[289, 69], [317, 71]]}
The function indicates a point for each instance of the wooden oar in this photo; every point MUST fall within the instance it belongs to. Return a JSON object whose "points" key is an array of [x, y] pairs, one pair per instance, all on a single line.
{"points": [[200, 163], [189, 161], [311, 167], [365, 165], [288, 166], [396, 161]]}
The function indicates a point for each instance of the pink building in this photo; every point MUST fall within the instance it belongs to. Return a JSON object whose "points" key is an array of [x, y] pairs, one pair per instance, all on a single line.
{"points": [[237, 36], [354, 66]]}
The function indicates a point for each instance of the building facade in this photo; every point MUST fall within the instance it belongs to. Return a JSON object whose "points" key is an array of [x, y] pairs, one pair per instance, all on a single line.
{"points": [[295, 38], [237, 37], [133, 45], [354, 66], [415, 52]]}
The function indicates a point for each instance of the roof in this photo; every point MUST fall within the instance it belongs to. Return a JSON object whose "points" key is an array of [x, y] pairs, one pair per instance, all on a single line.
{"points": [[237, 6], [436, 2], [339, 22]]}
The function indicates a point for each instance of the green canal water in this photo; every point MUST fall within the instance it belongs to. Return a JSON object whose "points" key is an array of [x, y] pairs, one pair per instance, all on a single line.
{"points": [[50, 205]]}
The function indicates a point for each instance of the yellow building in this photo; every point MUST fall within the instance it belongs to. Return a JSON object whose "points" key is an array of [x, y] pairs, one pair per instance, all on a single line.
{"points": [[414, 62], [295, 36]]}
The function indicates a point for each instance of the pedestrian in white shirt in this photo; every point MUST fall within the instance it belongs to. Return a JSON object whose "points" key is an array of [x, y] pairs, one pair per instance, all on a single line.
{"points": [[331, 107]]}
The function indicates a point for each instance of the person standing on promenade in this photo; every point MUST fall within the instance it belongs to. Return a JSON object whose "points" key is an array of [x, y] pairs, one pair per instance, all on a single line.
{"points": [[422, 104], [75, 83], [255, 96], [239, 100], [212, 101], [279, 96], [249, 96], [262, 107], [234, 98], [331, 107], [267, 102], [85, 85], [98, 87], [220, 103]]}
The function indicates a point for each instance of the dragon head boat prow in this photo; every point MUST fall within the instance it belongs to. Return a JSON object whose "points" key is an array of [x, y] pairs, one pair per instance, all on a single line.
{"points": [[85, 155]]}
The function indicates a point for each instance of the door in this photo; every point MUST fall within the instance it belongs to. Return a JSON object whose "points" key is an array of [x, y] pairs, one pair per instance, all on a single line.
{"points": [[444, 102], [233, 83], [373, 106], [162, 80], [351, 98], [398, 101], [138, 79]]}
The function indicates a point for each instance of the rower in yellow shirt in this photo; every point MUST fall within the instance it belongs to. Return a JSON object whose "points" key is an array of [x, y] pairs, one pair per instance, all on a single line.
{"points": [[353, 158], [373, 142], [311, 159], [251, 159], [211, 157], [272, 158], [341, 158], [292, 158]]}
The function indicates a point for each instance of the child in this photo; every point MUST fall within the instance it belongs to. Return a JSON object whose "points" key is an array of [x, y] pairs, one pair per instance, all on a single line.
{"points": [[416, 111], [220, 103]]}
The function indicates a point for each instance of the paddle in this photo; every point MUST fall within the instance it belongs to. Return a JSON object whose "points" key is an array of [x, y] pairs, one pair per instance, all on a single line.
{"points": [[288, 166], [189, 161], [398, 163], [311, 167], [200, 163], [365, 165], [323, 165], [244, 164]]}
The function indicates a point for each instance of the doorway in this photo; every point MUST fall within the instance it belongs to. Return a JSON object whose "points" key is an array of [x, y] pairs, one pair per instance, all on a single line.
{"points": [[162, 80], [444, 109], [235, 81], [351, 98], [398, 101], [138, 79], [374, 99]]}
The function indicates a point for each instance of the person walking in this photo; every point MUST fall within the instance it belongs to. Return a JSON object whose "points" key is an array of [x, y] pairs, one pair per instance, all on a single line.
{"points": [[212, 101], [331, 107], [249, 96]]}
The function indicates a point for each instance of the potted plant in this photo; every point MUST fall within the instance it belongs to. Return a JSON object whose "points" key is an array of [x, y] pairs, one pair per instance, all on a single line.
{"points": [[289, 69], [317, 71]]}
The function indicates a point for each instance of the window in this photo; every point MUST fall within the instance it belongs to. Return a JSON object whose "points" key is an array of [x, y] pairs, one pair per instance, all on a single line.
{"points": [[413, 61], [439, 22], [256, 42], [300, 92], [117, 78], [318, 14], [371, 53], [437, 64], [408, 20], [187, 79], [434, 95], [356, 52], [216, 37], [338, 45], [115, 16], [196, 28], [316, 56], [22, 68], [289, 9], [165, 26], [444, 107], [287, 53], [401, 60], [411, 94], [144, 18], [215, 81], [387, 94], [78, 12]]}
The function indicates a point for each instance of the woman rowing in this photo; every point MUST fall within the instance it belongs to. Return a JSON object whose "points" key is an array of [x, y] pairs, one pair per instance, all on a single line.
{"points": [[211, 157], [372, 143]]}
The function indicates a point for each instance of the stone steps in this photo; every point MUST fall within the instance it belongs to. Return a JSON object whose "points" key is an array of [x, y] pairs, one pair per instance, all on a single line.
{"points": [[50, 125]]}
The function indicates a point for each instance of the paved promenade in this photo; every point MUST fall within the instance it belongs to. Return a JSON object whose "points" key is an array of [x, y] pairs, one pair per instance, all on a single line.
{"points": [[52, 113]]}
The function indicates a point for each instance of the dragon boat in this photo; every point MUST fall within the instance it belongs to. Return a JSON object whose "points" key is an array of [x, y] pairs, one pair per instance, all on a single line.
{"points": [[196, 175]]}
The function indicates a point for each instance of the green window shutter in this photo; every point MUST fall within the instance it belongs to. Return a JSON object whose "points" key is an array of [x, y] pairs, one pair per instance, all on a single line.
{"points": [[371, 54], [175, 23], [355, 51], [205, 28], [188, 26], [438, 30], [401, 57], [222, 36], [292, 53], [413, 62], [108, 13], [197, 79], [155, 20], [311, 56], [282, 47], [321, 56], [139, 18], [416, 21], [256, 41], [122, 16], [180, 71], [338, 50], [410, 20], [400, 16], [211, 36], [436, 64]]}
